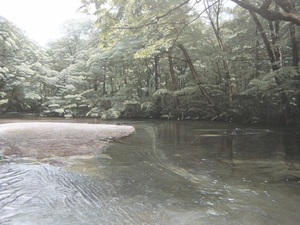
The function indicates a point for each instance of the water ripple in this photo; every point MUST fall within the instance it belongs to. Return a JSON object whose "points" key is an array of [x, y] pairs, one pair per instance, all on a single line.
{"points": [[43, 194]]}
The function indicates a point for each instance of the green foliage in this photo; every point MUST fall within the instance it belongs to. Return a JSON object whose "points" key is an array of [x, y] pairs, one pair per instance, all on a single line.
{"points": [[286, 74], [260, 86], [162, 92], [18, 73], [131, 65]]}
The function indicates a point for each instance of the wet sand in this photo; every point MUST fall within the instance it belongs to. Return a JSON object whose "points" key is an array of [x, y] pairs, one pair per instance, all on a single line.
{"points": [[52, 139]]}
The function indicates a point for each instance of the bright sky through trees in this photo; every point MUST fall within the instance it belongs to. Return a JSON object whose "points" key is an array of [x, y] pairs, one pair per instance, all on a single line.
{"points": [[40, 19]]}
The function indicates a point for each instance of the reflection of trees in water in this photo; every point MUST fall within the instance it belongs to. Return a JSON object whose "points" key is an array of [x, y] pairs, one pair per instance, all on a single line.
{"points": [[173, 133], [291, 143], [227, 144], [230, 143]]}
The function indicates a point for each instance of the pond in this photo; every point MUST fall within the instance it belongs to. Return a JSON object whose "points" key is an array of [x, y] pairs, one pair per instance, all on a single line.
{"points": [[167, 172]]}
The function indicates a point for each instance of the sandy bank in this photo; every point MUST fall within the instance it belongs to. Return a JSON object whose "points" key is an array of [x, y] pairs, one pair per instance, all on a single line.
{"points": [[47, 139]]}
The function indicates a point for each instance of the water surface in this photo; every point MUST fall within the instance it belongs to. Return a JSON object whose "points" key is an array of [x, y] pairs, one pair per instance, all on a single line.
{"points": [[167, 172]]}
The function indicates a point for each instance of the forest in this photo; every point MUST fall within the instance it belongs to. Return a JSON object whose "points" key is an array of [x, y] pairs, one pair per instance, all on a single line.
{"points": [[217, 60]]}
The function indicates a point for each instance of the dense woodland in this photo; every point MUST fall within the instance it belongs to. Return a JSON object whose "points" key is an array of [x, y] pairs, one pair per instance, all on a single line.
{"points": [[218, 60]]}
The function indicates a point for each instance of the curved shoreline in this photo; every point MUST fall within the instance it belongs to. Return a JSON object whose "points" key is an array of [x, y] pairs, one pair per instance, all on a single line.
{"points": [[49, 139]]}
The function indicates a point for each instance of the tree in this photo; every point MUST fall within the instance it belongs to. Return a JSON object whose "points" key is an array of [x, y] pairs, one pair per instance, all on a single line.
{"points": [[214, 12], [76, 35], [162, 58], [287, 13], [276, 43], [18, 75], [273, 57]]}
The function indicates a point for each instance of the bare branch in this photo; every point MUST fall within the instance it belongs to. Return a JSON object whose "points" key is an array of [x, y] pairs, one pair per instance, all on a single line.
{"points": [[173, 9], [286, 5], [193, 20], [288, 15], [155, 19], [266, 4]]}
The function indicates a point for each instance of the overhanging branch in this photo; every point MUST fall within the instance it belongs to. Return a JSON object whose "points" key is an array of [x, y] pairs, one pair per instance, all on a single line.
{"points": [[288, 13], [156, 19]]}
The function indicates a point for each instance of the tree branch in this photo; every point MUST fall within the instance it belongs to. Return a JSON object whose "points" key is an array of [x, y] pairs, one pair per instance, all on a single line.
{"points": [[173, 9], [266, 4], [156, 19], [286, 5], [288, 15], [193, 20]]}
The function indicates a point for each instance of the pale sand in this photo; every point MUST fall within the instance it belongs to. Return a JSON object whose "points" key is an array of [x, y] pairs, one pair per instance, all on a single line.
{"points": [[47, 139]]}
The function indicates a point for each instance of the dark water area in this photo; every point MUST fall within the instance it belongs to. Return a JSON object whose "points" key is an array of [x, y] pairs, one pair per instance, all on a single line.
{"points": [[167, 172]]}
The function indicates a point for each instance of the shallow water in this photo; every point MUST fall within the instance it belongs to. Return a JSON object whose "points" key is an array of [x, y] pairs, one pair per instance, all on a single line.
{"points": [[167, 172]]}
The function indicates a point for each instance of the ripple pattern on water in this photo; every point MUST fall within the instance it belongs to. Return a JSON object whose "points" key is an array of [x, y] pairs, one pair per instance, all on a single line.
{"points": [[166, 173], [43, 194]]}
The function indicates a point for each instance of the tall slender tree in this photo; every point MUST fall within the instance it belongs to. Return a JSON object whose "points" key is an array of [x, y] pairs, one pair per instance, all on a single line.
{"points": [[214, 12]]}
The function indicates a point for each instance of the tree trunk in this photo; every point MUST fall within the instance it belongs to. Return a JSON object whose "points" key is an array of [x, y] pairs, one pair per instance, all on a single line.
{"points": [[219, 73], [189, 62], [197, 79], [173, 76], [294, 44], [266, 41], [112, 87], [257, 60], [124, 74], [156, 72], [274, 28], [274, 35], [287, 115], [139, 87], [96, 83], [289, 13], [104, 82], [172, 71], [149, 74], [217, 31]]}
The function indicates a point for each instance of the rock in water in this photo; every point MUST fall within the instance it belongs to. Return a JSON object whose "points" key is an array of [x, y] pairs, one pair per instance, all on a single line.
{"points": [[47, 139]]}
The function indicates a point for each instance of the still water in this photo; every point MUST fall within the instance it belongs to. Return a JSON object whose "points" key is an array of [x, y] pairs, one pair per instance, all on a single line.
{"points": [[167, 172]]}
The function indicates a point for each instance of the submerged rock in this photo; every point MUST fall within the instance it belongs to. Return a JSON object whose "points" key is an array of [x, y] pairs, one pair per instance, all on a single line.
{"points": [[46, 139]]}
